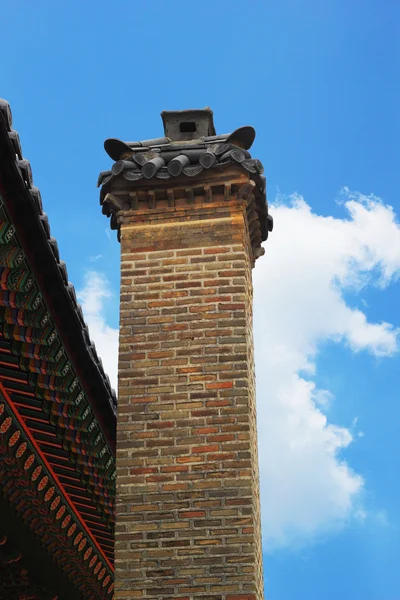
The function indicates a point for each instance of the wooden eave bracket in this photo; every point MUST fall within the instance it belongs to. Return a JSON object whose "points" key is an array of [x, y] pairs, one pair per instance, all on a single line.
{"points": [[245, 191], [114, 203]]}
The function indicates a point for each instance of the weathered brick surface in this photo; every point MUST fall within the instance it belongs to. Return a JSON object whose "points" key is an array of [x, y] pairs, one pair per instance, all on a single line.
{"points": [[188, 518]]}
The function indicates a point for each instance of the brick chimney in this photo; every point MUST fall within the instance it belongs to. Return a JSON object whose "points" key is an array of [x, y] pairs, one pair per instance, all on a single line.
{"points": [[191, 213]]}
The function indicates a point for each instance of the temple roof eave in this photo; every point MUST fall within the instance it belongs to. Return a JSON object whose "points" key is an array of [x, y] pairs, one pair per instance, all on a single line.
{"points": [[27, 212], [56, 402]]}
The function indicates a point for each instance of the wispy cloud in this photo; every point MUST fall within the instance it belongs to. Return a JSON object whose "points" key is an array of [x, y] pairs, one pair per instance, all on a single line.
{"points": [[93, 296]]}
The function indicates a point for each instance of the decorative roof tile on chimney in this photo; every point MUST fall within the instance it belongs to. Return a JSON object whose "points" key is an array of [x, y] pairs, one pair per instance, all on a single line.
{"points": [[191, 215], [201, 160]]}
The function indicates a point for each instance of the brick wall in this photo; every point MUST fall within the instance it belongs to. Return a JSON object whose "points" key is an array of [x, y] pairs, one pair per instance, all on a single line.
{"points": [[188, 518]]}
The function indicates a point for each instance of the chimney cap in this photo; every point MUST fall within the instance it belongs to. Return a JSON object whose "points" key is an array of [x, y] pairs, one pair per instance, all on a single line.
{"points": [[185, 125]]}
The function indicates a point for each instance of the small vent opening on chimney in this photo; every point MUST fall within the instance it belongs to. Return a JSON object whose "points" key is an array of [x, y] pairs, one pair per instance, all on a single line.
{"points": [[187, 126]]}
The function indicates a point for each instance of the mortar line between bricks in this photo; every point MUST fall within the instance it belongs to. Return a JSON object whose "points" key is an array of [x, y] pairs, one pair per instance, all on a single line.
{"points": [[192, 223]]}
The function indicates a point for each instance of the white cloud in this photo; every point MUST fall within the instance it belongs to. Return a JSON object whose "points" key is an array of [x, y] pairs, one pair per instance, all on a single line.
{"points": [[95, 258], [308, 488], [92, 297]]}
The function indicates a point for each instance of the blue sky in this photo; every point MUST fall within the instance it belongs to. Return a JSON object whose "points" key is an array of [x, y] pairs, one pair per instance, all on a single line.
{"points": [[319, 80]]}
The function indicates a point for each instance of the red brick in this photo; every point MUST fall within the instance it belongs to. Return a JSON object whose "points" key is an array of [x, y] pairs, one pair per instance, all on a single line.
{"points": [[219, 385], [205, 449]]}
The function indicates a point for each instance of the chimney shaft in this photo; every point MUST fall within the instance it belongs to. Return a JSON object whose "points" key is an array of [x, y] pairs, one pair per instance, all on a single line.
{"points": [[188, 509]]}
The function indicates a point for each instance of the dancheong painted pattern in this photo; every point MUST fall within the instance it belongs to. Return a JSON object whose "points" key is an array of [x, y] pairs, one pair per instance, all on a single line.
{"points": [[57, 409]]}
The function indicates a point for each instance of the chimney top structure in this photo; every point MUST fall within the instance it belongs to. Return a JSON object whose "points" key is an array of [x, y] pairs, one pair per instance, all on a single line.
{"points": [[191, 151], [191, 214]]}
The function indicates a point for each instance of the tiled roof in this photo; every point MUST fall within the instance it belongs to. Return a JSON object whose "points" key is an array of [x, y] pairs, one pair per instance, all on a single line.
{"points": [[57, 407], [162, 158], [31, 201]]}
